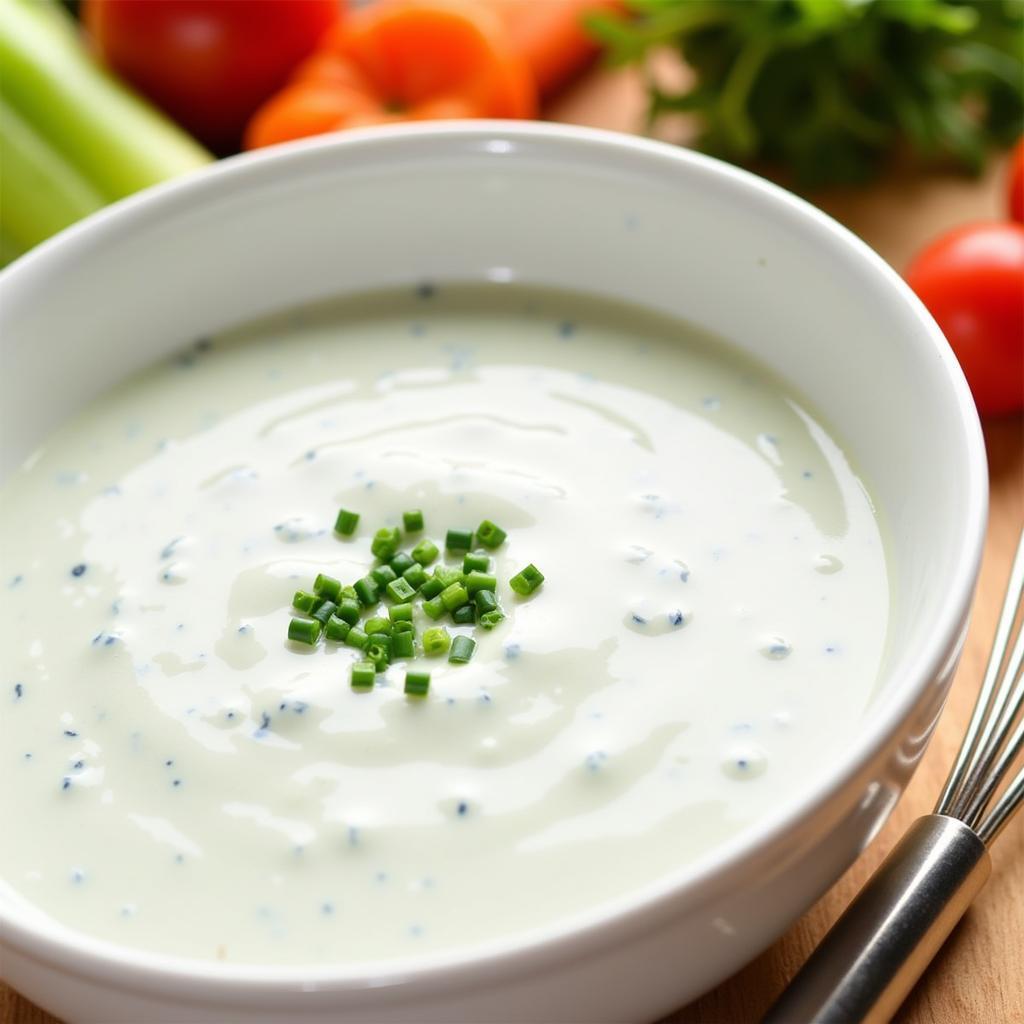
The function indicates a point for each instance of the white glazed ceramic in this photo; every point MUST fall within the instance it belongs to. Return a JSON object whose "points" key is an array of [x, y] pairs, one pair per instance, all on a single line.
{"points": [[577, 209]]}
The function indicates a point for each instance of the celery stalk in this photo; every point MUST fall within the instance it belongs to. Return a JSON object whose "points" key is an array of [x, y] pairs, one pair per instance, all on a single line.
{"points": [[9, 249], [95, 141], [42, 193]]}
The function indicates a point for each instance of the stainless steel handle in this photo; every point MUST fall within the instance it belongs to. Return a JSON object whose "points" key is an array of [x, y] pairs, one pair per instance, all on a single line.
{"points": [[875, 953]]}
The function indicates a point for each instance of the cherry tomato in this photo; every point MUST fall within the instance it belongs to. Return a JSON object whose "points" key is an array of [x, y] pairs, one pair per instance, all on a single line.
{"points": [[1015, 183], [972, 281], [207, 63]]}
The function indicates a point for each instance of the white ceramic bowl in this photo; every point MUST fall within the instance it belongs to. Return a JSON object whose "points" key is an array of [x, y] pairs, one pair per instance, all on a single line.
{"points": [[576, 209]]}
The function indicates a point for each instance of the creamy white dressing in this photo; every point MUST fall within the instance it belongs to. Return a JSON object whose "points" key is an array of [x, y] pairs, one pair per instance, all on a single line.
{"points": [[176, 776]]}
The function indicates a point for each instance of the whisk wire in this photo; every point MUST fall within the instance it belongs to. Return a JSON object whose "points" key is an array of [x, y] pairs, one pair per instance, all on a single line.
{"points": [[980, 765], [1013, 745], [1011, 676], [1002, 810]]}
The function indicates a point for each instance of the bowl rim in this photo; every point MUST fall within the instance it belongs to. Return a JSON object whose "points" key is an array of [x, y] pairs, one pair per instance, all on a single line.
{"points": [[686, 887]]}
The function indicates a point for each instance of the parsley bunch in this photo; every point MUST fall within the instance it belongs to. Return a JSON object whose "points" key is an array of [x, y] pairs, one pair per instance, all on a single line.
{"points": [[827, 89]]}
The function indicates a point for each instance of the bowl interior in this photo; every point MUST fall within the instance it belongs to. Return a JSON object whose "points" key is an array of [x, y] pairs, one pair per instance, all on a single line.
{"points": [[578, 210], [573, 209]]}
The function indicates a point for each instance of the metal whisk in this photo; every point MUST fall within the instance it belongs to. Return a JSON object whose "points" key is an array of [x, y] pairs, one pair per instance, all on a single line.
{"points": [[867, 964]]}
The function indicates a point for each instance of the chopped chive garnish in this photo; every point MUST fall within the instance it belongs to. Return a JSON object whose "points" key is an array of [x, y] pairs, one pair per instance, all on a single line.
{"points": [[417, 684], [325, 611], [336, 629], [346, 522], [383, 575], [304, 631], [401, 562], [416, 575], [327, 586], [356, 638], [467, 591], [425, 552], [454, 596], [527, 581], [464, 616], [378, 650], [475, 563], [447, 576], [400, 612], [458, 540], [490, 534], [462, 650], [385, 543], [403, 645], [436, 641], [349, 610], [401, 590], [367, 591], [306, 602], [480, 581], [363, 675]]}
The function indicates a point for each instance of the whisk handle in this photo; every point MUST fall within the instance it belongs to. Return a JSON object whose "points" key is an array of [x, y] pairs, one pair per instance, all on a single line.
{"points": [[875, 953]]}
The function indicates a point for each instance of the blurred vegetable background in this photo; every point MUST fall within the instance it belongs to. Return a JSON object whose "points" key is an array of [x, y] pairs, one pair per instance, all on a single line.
{"points": [[71, 137], [208, 65], [101, 98], [827, 89], [401, 62]]}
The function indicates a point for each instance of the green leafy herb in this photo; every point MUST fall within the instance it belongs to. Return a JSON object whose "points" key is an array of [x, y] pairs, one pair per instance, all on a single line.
{"points": [[827, 89]]}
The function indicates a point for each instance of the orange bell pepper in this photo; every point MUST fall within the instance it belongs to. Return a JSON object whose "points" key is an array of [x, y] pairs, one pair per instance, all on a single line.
{"points": [[400, 60]]}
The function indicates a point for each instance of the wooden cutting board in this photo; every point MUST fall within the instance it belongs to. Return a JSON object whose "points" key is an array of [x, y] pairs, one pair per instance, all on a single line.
{"points": [[977, 978]]}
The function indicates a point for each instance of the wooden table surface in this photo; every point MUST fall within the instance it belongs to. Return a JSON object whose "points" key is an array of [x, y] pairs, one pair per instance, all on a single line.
{"points": [[977, 978]]}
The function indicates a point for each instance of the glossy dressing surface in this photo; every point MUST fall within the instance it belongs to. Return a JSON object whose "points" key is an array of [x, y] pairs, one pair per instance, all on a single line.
{"points": [[185, 780]]}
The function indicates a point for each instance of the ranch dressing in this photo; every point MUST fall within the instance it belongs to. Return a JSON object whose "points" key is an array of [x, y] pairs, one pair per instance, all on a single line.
{"points": [[176, 776]]}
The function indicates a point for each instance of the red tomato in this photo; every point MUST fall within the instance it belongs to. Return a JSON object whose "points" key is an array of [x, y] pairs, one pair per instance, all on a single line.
{"points": [[972, 281], [207, 63], [1015, 183]]}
